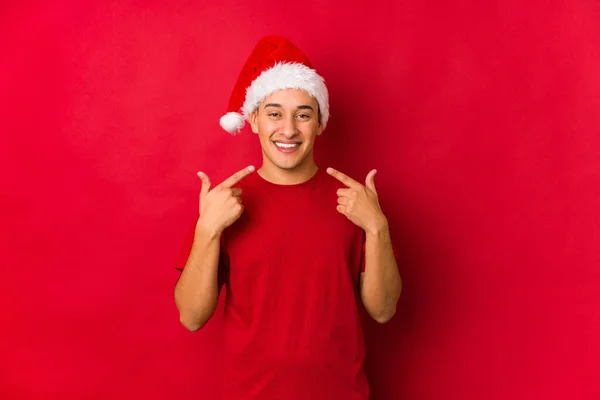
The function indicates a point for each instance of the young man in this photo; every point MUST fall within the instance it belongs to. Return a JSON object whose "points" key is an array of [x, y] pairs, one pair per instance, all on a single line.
{"points": [[297, 247]]}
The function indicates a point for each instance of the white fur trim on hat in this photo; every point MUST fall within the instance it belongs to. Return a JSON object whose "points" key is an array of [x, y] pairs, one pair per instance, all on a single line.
{"points": [[286, 76]]}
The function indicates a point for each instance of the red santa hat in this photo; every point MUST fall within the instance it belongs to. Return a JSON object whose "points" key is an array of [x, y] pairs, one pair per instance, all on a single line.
{"points": [[274, 64]]}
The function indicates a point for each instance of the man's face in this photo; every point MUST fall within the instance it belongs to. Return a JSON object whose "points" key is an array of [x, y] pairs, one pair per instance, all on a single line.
{"points": [[287, 123]]}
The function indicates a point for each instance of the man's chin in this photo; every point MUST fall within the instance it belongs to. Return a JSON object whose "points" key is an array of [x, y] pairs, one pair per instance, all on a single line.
{"points": [[287, 162], [287, 167]]}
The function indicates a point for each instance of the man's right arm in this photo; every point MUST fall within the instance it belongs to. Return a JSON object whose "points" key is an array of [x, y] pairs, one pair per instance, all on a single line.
{"points": [[197, 290]]}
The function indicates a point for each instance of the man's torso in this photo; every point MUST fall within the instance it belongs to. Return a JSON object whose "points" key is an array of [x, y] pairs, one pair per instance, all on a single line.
{"points": [[292, 328]]}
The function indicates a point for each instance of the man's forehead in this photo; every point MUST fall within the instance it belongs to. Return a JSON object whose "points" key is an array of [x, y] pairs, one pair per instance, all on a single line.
{"points": [[289, 97], [290, 93]]}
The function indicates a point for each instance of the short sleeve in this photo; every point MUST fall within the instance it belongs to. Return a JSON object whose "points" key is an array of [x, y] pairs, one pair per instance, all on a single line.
{"points": [[184, 254]]}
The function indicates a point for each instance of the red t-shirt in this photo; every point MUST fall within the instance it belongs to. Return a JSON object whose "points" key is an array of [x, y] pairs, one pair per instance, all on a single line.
{"points": [[291, 266]]}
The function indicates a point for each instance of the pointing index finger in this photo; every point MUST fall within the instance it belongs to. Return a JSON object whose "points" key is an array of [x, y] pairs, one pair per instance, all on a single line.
{"points": [[345, 179], [235, 178]]}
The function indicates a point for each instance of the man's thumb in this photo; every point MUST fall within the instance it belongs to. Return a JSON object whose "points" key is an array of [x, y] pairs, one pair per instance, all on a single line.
{"points": [[205, 183], [370, 181]]}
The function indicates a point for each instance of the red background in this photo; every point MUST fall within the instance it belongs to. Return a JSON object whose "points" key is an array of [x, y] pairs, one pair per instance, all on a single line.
{"points": [[482, 118]]}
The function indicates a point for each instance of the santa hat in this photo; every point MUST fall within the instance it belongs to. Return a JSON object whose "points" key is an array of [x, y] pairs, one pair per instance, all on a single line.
{"points": [[274, 64]]}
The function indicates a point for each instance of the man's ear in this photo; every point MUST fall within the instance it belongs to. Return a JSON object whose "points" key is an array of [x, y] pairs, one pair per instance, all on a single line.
{"points": [[320, 121], [320, 130], [252, 119]]}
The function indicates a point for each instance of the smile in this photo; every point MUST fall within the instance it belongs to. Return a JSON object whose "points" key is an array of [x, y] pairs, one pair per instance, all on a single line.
{"points": [[286, 145]]}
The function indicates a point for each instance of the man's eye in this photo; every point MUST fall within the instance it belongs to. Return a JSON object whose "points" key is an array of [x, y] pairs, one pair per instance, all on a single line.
{"points": [[304, 116], [273, 114]]}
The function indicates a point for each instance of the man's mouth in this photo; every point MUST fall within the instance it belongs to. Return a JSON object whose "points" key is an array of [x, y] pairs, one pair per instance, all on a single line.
{"points": [[282, 145], [287, 147]]}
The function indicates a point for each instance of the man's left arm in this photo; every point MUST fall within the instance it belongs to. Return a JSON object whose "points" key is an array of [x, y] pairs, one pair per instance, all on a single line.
{"points": [[380, 283]]}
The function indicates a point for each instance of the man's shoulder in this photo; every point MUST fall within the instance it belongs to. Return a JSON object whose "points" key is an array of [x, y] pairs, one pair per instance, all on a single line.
{"points": [[328, 182], [249, 181]]}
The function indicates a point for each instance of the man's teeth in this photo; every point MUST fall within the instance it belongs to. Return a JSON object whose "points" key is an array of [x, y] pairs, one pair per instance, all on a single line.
{"points": [[286, 145]]}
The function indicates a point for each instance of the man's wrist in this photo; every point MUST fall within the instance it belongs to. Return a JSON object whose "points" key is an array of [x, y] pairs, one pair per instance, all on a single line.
{"points": [[207, 232], [378, 228]]}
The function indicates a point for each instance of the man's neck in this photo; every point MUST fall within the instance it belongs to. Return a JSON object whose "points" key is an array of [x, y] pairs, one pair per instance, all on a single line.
{"points": [[281, 176]]}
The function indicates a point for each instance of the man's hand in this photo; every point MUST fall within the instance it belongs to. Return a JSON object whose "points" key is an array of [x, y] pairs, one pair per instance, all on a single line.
{"points": [[360, 203], [221, 206]]}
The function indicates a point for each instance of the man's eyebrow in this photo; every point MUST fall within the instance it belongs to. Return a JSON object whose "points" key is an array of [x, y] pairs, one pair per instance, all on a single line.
{"points": [[272, 105], [302, 107]]}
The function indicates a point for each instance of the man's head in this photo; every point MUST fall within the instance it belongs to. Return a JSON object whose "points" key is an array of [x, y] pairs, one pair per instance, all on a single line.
{"points": [[287, 122], [274, 65]]}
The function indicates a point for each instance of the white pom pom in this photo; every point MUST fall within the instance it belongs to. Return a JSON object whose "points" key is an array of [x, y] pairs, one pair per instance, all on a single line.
{"points": [[232, 122]]}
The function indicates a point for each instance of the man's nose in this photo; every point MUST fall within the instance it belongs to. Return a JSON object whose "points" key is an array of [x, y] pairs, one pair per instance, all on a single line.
{"points": [[289, 129]]}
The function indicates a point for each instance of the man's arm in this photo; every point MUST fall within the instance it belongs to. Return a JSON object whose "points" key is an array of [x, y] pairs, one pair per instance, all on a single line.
{"points": [[380, 284], [197, 290]]}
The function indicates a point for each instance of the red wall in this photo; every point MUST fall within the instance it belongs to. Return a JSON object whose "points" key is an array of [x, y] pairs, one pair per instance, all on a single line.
{"points": [[481, 117]]}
